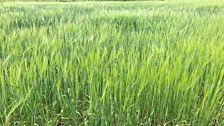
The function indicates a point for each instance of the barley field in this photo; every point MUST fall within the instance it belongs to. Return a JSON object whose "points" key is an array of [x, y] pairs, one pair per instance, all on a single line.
{"points": [[112, 63]]}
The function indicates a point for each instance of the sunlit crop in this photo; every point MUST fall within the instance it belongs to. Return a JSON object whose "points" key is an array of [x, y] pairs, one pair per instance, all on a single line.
{"points": [[112, 63]]}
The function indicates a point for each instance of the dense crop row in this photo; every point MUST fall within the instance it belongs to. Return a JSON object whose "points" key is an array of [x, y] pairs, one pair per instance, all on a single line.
{"points": [[142, 63]]}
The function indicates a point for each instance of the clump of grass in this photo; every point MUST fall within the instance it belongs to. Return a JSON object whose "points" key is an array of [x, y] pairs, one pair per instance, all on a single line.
{"points": [[120, 64]]}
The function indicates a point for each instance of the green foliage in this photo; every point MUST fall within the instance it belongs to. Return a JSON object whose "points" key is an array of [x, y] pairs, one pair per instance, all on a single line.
{"points": [[132, 63]]}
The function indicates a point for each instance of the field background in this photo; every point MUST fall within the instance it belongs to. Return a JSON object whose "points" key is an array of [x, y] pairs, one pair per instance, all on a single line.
{"points": [[112, 63]]}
